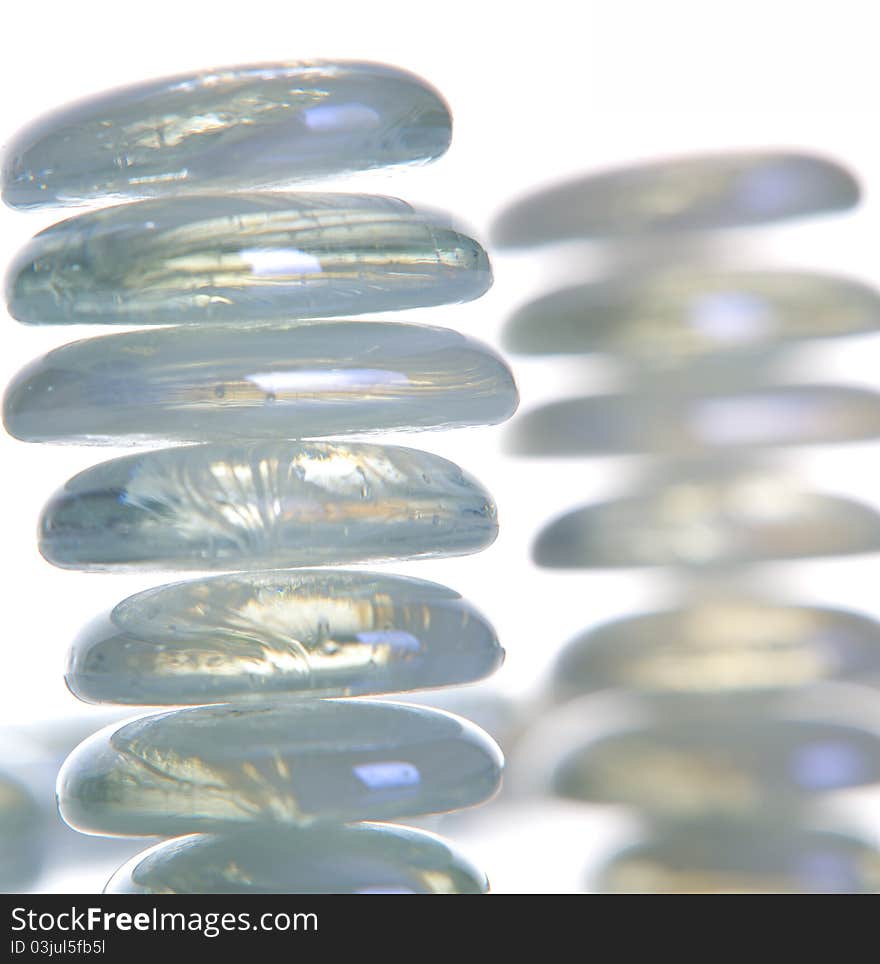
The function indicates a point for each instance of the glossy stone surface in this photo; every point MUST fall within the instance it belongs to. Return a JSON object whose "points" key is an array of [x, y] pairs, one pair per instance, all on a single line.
{"points": [[716, 517], [216, 767], [743, 857], [286, 381], [359, 859], [696, 193], [228, 128], [240, 258], [324, 633], [678, 421], [722, 644], [265, 505], [666, 319], [740, 762]]}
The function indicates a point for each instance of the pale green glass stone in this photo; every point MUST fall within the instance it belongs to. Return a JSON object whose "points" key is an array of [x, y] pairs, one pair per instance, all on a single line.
{"points": [[244, 257], [697, 193], [725, 644], [734, 763], [228, 128], [725, 856], [22, 835], [221, 767], [285, 381], [667, 319], [716, 518], [676, 421], [265, 505], [309, 633], [359, 859]]}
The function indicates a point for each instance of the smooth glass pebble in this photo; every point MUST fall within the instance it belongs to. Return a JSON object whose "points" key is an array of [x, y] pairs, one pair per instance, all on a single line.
{"points": [[265, 505], [698, 193], [670, 318], [358, 859], [315, 633], [218, 767], [745, 762], [499, 714], [240, 258], [720, 517], [22, 835], [721, 645], [743, 857], [228, 128], [287, 381], [679, 422]]}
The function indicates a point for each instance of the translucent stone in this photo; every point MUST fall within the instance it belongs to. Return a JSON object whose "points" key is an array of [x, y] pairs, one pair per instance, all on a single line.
{"points": [[313, 633], [22, 831], [723, 644], [697, 193], [216, 767], [229, 128], [718, 516], [359, 859], [678, 421], [265, 505], [743, 857], [501, 715], [245, 257], [745, 762], [667, 319], [292, 381]]}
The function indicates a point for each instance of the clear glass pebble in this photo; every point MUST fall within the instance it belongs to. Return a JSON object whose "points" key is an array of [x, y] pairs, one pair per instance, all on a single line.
{"points": [[680, 422], [743, 857], [288, 763], [264, 506], [667, 319], [358, 859], [229, 128], [23, 825], [302, 380], [243, 257], [724, 644], [697, 193], [716, 517], [310, 633], [738, 763]]}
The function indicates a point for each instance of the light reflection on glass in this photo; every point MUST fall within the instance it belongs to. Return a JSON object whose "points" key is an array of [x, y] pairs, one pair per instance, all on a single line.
{"points": [[393, 773], [319, 380]]}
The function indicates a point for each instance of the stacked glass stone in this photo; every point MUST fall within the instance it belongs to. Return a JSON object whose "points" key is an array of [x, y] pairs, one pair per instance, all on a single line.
{"points": [[722, 727], [269, 773]]}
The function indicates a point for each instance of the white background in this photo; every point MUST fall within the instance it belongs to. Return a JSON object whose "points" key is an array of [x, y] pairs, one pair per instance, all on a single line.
{"points": [[537, 91]]}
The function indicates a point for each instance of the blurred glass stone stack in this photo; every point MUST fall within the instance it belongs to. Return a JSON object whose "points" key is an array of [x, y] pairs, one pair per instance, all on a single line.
{"points": [[728, 721], [275, 765]]}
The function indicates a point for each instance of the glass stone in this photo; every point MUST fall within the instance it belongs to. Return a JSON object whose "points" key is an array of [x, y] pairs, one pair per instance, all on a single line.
{"points": [[240, 258], [698, 193], [263, 506], [325, 633], [227, 129], [736, 763], [743, 857], [717, 517], [666, 319], [218, 767], [22, 835], [287, 381], [359, 859], [680, 422], [718, 645]]}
